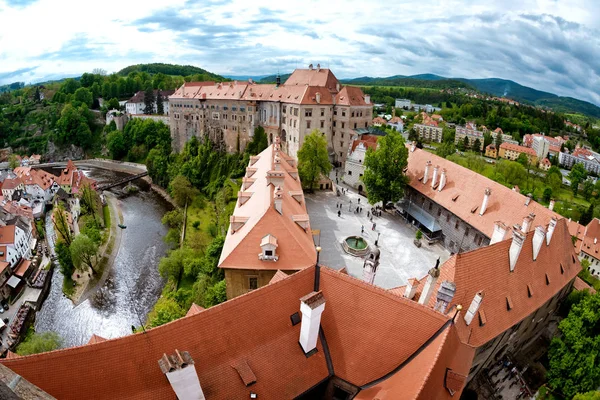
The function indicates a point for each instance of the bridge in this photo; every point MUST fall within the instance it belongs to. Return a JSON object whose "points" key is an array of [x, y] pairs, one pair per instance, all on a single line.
{"points": [[122, 181]]}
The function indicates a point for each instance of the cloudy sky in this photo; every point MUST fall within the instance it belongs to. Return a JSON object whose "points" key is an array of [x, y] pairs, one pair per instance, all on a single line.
{"points": [[551, 45]]}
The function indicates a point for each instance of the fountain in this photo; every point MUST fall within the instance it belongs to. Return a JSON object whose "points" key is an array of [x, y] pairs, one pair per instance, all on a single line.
{"points": [[356, 246]]}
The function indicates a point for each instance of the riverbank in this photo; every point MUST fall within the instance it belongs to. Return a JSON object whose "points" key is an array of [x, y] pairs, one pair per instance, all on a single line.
{"points": [[88, 283]]}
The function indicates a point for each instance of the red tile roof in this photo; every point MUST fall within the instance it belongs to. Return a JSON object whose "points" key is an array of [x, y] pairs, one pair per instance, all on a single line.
{"points": [[296, 249], [368, 141], [313, 77], [350, 96], [517, 148], [194, 309], [10, 184], [369, 333], [96, 339], [504, 204], [7, 234], [279, 275], [23, 267], [580, 284]]}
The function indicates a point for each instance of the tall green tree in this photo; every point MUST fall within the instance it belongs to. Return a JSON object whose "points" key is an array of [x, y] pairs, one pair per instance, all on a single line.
{"points": [[61, 223], [160, 108], [259, 142], [313, 160], [384, 178], [477, 145], [577, 175], [83, 96], [39, 343], [587, 217], [574, 355], [182, 190], [83, 252], [64, 258], [149, 100]]}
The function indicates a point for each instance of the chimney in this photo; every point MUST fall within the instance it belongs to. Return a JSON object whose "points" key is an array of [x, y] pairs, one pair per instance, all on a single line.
{"points": [[538, 239], [318, 98], [277, 163], [426, 174], [413, 146], [181, 374], [528, 199], [551, 226], [435, 175], [318, 67], [442, 180], [473, 308], [411, 288], [434, 274], [278, 199], [310, 66], [445, 295], [367, 99], [527, 222], [499, 232], [311, 307], [515, 246], [551, 205], [486, 198], [370, 266]]}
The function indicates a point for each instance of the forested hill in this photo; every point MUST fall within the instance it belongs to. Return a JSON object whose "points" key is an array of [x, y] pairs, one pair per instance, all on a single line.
{"points": [[272, 78], [172, 69], [429, 81]]}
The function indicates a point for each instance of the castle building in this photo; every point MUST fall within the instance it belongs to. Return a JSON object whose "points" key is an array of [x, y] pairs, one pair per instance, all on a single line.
{"points": [[354, 168], [227, 113], [269, 229]]}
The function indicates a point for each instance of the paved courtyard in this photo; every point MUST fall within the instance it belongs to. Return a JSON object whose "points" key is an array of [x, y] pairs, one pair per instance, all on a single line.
{"points": [[400, 258]]}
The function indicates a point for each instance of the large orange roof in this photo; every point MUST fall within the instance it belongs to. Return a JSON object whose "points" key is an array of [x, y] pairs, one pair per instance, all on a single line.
{"points": [[517, 148], [464, 191], [7, 234], [369, 333], [296, 249], [313, 77], [487, 270], [351, 96]]}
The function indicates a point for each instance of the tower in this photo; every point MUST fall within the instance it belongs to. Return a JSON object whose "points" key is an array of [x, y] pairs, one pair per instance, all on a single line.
{"points": [[370, 266]]}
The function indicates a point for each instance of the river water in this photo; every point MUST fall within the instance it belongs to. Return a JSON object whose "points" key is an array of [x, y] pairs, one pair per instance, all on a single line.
{"points": [[133, 285]]}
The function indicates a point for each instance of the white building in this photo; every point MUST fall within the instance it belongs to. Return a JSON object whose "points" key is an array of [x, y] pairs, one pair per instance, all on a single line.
{"points": [[9, 186], [136, 104], [403, 103], [589, 159], [354, 168], [541, 146]]}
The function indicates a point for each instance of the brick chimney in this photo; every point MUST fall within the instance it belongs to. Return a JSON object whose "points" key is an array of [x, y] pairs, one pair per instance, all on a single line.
{"points": [[435, 176], [370, 266], [551, 205], [538, 239], [278, 199], [311, 307], [318, 98], [499, 232], [442, 180], [516, 246], [426, 174], [473, 308], [551, 226], [181, 374], [486, 198], [445, 295], [433, 275]]}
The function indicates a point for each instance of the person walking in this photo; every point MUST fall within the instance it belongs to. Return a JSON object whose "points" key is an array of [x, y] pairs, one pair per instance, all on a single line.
{"points": [[362, 229], [339, 213], [373, 226]]}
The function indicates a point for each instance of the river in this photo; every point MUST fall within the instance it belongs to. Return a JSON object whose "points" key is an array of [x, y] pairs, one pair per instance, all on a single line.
{"points": [[133, 285]]}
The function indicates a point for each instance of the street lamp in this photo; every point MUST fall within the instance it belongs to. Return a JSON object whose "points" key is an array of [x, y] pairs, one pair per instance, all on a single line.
{"points": [[378, 233]]}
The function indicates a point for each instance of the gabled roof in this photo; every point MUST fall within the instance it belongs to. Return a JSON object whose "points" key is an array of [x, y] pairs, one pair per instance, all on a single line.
{"points": [[138, 97], [351, 96], [194, 309], [7, 234], [370, 334], [96, 339], [313, 77], [259, 218], [10, 184], [517, 148], [504, 204]]}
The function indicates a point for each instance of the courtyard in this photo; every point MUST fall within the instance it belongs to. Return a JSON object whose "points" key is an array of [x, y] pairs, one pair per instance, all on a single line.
{"points": [[400, 259]]}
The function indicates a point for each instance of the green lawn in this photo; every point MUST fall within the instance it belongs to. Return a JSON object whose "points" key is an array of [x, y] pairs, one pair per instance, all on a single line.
{"points": [[106, 213]]}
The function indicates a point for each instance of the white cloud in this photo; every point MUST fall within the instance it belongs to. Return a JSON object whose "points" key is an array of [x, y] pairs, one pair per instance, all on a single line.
{"points": [[547, 44]]}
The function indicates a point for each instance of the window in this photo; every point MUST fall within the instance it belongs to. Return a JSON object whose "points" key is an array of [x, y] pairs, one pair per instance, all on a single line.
{"points": [[283, 109], [322, 124], [343, 113], [479, 240], [343, 125], [269, 253], [308, 112], [341, 143], [283, 120], [242, 109], [430, 206], [366, 126], [439, 212], [448, 217], [295, 112], [253, 282], [456, 224], [322, 112], [307, 124], [334, 124], [352, 114], [467, 231], [355, 125], [349, 173], [294, 123], [342, 135]]}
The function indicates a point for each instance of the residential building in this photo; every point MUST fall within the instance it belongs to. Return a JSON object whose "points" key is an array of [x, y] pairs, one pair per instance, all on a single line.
{"points": [[511, 152], [34, 159], [136, 105], [491, 151], [541, 146], [545, 164], [471, 133], [459, 207], [505, 138], [589, 247], [590, 160], [269, 229], [542, 150], [10, 186], [16, 238], [227, 113], [71, 179], [397, 124], [354, 168], [39, 185], [403, 103], [429, 129], [511, 298]]}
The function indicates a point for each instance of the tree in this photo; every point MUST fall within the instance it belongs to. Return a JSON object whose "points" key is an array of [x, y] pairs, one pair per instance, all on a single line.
{"points": [[84, 96], [588, 189], [498, 141], [445, 149], [547, 194], [37, 96], [215, 294], [574, 355], [64, 258], [149, 100], [61, 224], [182, 190], [577, 175], [487, 139], [587, 216], [165, 310], [313, 160], [466, 142], [160, 109], [259, 142], [13, 161], [477, 145], [588, 396], [83, 252], [115, 141], [384, 178], [523, 160], [39, 343]]}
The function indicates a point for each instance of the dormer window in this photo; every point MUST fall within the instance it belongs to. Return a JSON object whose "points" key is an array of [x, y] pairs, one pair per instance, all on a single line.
{"points": [[268, 245]]}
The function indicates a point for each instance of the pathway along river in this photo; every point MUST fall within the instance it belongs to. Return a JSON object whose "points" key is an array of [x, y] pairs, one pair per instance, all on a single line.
{"points": [[133, 285]]}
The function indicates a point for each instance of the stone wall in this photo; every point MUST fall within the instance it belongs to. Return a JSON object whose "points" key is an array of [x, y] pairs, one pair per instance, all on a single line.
{"points": [[238, 280]]}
